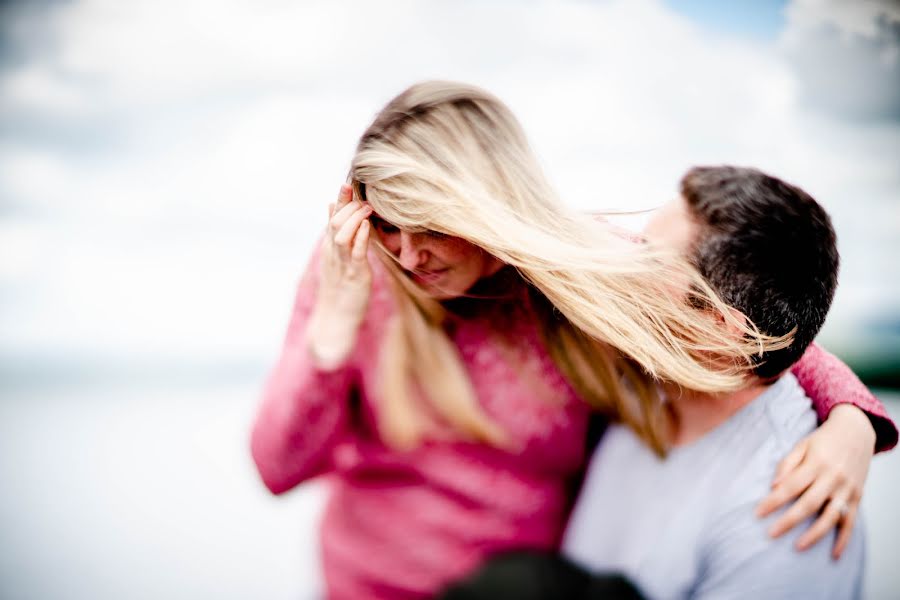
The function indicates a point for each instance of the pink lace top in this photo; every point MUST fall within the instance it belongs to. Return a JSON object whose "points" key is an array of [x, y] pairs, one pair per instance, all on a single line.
{"points": [[401, 525]]}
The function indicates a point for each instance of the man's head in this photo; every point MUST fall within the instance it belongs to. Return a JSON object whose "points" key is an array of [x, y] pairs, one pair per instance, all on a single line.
{"points": [[766, 247]]}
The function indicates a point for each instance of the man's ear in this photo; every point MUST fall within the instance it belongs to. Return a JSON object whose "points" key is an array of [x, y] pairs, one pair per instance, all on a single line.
{"points": [[735, 322]]}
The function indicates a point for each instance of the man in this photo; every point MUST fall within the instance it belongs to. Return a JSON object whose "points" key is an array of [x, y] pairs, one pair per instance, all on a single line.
{"points": [[684, 526]]}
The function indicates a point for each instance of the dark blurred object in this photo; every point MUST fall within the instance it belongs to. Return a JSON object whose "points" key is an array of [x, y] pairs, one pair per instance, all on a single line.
{"points": [[875, 351], [539, 576]]}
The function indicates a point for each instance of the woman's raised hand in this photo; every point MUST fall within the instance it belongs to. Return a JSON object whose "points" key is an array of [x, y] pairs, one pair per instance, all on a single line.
{"points": [[345, 282]]}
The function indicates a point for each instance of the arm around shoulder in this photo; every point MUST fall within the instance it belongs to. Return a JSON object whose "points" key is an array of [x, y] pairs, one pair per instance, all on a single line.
{"points": [[829, 382]]}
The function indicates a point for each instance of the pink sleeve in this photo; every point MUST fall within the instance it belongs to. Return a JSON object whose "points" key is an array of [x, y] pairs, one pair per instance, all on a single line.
{"points": [[304, 410], [829, 382]]}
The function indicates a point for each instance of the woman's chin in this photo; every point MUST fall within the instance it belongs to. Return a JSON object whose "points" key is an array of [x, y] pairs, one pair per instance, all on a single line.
{"points": [[438, 292], [442, 292]]}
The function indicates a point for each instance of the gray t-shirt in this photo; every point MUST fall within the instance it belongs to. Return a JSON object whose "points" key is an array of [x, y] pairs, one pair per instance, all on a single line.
{"points": [[684, 526]]}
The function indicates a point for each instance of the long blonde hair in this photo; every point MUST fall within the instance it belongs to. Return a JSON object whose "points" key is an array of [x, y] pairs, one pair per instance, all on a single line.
{"points": [[452, 158]]}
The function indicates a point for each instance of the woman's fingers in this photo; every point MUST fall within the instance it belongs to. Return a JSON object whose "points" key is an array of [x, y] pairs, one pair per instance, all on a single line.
{"points": [[345, 195], [807, 505], [829, 517], [360, 243], [789, 463], [341, 214], [829, 465], [791, 485], [845, 529], [344, 236], [343, 207], [821, 484]]}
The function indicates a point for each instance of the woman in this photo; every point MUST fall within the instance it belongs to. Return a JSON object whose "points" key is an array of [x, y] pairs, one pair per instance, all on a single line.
{"points": [[446, 376]]}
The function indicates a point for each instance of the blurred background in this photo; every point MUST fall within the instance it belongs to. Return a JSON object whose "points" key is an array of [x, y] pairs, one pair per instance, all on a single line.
{"points": [[165, 168]]}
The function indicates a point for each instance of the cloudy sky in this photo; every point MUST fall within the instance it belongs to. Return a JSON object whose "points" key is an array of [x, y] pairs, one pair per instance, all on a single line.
{"points": [[165, 165]]}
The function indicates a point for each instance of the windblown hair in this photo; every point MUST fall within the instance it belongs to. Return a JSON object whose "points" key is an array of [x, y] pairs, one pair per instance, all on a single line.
{"points": [[452, 158]]}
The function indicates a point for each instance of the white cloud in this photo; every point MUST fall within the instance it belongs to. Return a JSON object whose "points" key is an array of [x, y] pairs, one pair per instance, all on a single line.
{"points": [[131, 55]]}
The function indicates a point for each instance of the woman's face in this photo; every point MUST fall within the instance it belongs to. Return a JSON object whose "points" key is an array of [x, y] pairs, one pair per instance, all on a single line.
{"points": [[443, 265]]}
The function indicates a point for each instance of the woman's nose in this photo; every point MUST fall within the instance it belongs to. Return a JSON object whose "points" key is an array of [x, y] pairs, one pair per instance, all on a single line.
{"points": [[411, 252]]}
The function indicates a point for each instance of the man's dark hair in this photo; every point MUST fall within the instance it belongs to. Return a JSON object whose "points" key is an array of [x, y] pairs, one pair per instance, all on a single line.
{"points": [[768, 249]]}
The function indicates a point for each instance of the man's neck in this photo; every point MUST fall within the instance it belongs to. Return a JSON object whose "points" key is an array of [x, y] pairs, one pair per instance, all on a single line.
{"points": [[693, 414]]}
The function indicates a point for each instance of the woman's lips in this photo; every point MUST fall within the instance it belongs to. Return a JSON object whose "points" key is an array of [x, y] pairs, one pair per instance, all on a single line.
{"points": [[429, 276]]}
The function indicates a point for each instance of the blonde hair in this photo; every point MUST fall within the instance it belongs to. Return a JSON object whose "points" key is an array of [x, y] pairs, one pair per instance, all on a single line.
{"points": [[452, 158]]}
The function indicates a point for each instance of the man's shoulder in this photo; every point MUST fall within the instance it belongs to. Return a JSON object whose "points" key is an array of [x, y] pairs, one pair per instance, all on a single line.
{"points": [[738, 559], [789, 410], [737, 554], [764, 433]]}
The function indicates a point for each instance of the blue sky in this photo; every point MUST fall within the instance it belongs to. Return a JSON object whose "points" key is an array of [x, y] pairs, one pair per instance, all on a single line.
{"points": [[761, 19]]}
